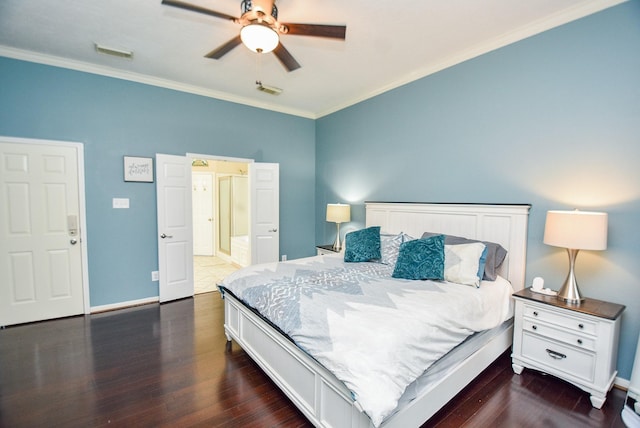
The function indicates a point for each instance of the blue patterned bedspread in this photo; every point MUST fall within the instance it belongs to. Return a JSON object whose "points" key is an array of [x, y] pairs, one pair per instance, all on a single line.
{"points": [[375, 333]]}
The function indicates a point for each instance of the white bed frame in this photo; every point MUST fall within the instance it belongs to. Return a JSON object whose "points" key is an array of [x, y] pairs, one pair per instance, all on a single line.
{"points": [[323, 399]]}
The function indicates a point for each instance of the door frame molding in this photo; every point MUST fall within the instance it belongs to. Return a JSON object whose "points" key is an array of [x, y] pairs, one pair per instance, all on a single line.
{"points": [[193, 156], [79, 147]]}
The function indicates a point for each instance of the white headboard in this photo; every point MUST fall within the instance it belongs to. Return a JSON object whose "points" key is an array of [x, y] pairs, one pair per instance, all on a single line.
{"points": [[503, 224]]}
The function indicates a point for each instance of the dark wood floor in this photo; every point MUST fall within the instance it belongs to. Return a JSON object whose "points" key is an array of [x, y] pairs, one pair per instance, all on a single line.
{"points": [[169, 365]]}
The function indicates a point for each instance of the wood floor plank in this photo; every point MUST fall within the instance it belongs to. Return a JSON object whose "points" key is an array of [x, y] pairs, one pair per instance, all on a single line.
{"points": [[170, 366]]}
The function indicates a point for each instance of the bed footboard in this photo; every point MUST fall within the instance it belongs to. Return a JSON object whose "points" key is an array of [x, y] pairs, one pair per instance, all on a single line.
{"points": [[323, 399]]}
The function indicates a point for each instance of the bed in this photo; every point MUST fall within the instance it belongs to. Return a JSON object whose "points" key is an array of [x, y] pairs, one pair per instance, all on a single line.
{"points": [[327, 401]]}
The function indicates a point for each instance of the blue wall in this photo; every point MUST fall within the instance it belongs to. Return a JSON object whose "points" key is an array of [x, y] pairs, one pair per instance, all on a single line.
{"points": [[553, 120], [114, 118]]}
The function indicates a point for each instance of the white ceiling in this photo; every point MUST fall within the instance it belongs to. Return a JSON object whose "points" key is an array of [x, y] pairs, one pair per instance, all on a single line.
{"points": [[388, 43]]}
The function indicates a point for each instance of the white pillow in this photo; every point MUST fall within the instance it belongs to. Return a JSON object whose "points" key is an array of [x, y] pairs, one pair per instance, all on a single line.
{"points": [[461, 263]]}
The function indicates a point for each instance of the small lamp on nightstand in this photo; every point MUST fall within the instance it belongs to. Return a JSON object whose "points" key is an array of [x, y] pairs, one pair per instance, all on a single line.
{"points": [[575, 231], [338, 213]]}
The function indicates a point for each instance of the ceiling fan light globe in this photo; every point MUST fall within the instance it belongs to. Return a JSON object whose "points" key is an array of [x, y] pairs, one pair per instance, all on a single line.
{"points": [[259, 37]]}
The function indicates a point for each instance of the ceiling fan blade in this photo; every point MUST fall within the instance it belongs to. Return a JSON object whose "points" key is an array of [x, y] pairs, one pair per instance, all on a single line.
{"points": [[220, 51], [317, 30], [286, 58], [194, 8]]}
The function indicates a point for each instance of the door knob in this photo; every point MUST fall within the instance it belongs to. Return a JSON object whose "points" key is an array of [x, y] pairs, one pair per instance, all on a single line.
{"points": [[273, 230], [73, 241], [166, 236]]}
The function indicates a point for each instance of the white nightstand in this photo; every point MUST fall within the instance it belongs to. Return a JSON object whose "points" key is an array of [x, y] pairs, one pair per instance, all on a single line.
{"points": [[577, 343], [325, 249]]}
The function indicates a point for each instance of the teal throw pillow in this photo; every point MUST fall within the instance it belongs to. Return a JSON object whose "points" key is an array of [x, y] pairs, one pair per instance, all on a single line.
{"points": [[362, 245], [421, 259]]}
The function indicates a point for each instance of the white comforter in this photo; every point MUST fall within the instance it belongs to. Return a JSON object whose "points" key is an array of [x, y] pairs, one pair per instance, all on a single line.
{"points": [[375, 333]]}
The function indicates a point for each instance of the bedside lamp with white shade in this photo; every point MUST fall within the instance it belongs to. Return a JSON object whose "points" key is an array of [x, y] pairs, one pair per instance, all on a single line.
{"points": [[338, 213], [575, 231]]}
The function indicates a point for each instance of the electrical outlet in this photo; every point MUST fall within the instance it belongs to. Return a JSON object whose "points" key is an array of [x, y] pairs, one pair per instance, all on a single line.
{"points": [[284, 257], [154, 276]]}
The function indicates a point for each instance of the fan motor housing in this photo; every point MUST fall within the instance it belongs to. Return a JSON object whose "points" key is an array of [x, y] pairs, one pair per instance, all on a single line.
{"points": [[247, 6]]}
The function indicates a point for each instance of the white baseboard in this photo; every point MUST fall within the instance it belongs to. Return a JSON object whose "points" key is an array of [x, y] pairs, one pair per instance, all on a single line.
{"points": [[621, 383], [122, 305]]}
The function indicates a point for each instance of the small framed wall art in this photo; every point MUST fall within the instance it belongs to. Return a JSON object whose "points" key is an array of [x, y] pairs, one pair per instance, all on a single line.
{"points": [[138, 169]]}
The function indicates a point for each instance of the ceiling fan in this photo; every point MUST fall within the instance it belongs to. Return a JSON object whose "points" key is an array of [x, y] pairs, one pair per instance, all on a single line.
{"points": [[261, 30]]}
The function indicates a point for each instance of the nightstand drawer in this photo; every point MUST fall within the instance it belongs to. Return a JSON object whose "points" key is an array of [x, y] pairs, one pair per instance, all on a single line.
{"points": [[561, 319], [561, 358], [562, 335]]}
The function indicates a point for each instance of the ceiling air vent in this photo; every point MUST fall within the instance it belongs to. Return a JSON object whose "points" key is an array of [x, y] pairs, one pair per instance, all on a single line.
{"points": [[272, 90], [113, 52]]}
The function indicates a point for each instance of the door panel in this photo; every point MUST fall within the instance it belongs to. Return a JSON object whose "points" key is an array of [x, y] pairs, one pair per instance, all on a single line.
{"points": [[265, 212], [175, 229], [41, 269], [202, 199]]}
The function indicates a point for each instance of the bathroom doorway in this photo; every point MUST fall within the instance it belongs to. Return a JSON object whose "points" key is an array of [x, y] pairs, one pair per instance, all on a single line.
{"points": [[220, 202]]}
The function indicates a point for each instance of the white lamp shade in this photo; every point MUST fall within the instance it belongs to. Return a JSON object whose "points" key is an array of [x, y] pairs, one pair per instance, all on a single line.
{"points": [[338, 213], [578, 230], [259, 37]]}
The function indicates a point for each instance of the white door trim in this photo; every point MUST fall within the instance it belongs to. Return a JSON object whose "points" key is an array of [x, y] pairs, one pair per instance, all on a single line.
{"points": [[193, 156], [81, 200]]}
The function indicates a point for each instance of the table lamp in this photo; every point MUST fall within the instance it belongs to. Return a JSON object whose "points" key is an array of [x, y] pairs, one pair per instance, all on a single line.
{"points": [[575, 231], [338, 213]]}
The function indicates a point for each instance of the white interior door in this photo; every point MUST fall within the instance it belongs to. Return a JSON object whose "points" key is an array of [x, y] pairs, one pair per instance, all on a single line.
{"points": [[175, 230], [264, 203], [202, 198], [41, 255]]}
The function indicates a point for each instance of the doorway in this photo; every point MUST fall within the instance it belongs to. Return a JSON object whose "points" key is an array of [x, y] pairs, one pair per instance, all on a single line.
{"points": [[220, 201], [175, 219]]}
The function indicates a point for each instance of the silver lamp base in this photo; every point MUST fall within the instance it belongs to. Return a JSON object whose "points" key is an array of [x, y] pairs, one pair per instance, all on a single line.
{"points": [[336, 245], [570, 292]]}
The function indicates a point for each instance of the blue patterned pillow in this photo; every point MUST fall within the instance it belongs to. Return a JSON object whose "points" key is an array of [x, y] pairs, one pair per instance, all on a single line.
{"points": [[362, 245], [421, 259]]}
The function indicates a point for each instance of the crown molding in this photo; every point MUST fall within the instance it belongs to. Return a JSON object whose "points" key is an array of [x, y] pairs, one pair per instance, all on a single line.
{"points": [[536, 27], [55, 61]]}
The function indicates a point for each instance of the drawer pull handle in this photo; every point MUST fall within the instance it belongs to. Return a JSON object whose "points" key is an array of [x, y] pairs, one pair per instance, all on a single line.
{"points": [[579, 341], [581, 325], [535, 327], [535, 313], [555, 355]]}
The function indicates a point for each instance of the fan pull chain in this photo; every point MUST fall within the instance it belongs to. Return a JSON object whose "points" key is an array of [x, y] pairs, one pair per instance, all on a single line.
{"points": [[259, 66]]}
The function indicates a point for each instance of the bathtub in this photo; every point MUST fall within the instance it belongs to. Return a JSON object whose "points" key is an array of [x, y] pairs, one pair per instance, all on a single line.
{"points": [[240, 250]]}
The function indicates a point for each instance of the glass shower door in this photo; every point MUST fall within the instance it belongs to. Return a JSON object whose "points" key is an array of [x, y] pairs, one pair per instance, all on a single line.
{"points": [[224, 215]]}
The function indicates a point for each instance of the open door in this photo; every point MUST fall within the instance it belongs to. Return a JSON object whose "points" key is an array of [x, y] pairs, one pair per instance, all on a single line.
{"points": [[264, 200], [175, 227]]}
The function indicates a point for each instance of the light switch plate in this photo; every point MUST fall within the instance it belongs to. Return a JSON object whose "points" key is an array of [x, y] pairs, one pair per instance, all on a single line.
{"points": [[120, 202]]}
